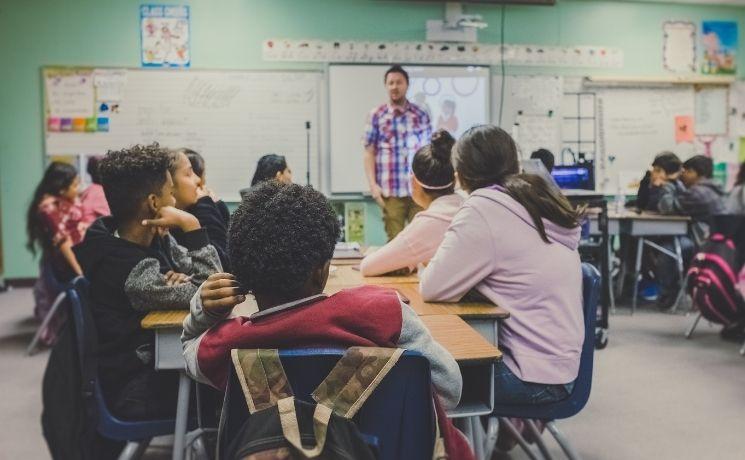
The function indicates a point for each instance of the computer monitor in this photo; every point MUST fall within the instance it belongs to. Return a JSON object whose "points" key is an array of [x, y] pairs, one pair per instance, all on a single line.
{"points": [[576, 177]]}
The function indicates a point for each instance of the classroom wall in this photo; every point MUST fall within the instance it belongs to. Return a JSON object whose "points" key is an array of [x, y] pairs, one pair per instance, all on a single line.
{"points": [[227, 34]]}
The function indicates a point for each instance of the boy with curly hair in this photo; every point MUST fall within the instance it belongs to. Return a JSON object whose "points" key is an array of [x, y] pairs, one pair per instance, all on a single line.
{"points": [[280, 244], [134, 266]]}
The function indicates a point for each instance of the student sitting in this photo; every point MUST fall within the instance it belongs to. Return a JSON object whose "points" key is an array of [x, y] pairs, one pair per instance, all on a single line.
{"points": [[281, 243], [200, 169], [515, 242], [195, 199], [127, 277], [93, 199], [54, 223], [546, 157], [665, 169], [270, 166], [735, 203], [700, 197], [694, 194], [432, 188]]}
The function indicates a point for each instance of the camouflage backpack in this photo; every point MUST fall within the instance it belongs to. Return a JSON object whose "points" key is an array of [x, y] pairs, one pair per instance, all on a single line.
{"points": [[282, 427]]}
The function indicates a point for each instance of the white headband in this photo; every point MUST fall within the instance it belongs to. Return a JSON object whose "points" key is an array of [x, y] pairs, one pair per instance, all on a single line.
{"points": [[430, 187]]}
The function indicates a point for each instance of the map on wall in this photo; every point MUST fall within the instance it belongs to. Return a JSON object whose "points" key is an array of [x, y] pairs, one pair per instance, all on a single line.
{"points": [[164, 32]]}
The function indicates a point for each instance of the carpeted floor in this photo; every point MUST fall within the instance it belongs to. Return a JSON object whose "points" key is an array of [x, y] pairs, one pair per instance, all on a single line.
{"points": [[655, 394]]}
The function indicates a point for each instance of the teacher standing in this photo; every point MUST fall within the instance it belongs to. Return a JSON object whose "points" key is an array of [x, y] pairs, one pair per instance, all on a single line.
{"points": [[395, 131]]}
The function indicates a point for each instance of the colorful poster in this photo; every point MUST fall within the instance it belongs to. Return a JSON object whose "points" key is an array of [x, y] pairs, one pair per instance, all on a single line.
{"points": [[719, 40], [684, 129], [164, 32]]}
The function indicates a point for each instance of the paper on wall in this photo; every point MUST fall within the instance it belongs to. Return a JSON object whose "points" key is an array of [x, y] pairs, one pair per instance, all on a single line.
{"points": [[737, 109], [109, 84], [711, 111], [679, 46], [70, 95], [537, 132]]}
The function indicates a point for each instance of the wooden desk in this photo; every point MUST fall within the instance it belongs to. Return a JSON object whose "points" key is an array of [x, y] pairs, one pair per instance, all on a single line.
{"points": [[460, 339], [347, 276], [644, 224]]}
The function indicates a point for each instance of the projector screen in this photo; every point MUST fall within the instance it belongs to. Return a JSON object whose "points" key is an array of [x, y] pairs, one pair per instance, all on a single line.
{"points": [[456, 97]]}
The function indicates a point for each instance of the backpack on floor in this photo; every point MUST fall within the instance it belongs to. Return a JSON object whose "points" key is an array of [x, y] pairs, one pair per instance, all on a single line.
{"points": [[282, 427], [712, 281]]}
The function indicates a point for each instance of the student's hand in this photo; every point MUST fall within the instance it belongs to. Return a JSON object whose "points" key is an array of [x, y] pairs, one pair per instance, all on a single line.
{"points": [[221, 292], [175, 278], [171, 217], [377, 194]]}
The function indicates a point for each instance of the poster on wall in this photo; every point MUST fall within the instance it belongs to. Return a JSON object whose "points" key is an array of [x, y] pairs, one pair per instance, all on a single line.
{"points": [[164, 32], [679, 46], [719, 43]]}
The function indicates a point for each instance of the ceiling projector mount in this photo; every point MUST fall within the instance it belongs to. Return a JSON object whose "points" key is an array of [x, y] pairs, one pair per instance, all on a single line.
{"points": [[456, 27]]}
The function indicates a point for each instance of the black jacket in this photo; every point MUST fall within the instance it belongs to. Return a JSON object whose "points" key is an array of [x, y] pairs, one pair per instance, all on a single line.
{"points": [[126, 282]]}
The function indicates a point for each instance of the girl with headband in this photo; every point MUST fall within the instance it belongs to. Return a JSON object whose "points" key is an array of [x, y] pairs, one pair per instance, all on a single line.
{"points": [[432, 188]]}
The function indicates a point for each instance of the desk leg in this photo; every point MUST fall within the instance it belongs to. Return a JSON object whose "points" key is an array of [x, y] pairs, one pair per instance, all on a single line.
{"points": [[182, 416], [637, 272], [681, 274]]}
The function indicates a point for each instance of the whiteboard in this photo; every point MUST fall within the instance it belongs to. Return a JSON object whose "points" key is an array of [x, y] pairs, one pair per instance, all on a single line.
{"points": [[231, 117], [534, 104], [635, 124], [355, 90]]}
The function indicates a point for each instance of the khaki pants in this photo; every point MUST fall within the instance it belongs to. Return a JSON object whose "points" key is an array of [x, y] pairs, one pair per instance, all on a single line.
{"points": [[397, 212]]}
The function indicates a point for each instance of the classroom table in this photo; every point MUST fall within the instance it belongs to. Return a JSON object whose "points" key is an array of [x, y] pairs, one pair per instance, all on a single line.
{"points": [[474, 354], [644, 226], [349, 275], [483, 317]]}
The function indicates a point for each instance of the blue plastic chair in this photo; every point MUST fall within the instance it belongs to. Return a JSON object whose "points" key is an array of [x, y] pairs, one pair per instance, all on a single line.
{"points": [[582, 385], [397, 420], [137, 434]]}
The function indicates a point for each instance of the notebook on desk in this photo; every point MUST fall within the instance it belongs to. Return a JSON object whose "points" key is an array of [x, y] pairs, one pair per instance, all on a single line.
{"points": [[348, 251]]}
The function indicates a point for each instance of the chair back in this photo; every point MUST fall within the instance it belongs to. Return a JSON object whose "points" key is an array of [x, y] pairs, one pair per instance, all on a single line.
{"points": [[398, 416], [86, 340], [582, 385]]}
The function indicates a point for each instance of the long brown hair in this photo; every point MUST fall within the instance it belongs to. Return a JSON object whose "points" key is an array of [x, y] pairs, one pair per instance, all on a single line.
{"points": [[486, 155]]}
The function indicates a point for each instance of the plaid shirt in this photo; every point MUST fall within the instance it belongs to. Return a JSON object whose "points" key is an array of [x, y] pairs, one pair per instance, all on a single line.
{"points": [[396, 135]]}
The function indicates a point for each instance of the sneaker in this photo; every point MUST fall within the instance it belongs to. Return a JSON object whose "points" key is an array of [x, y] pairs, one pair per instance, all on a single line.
{"points": [[648, 290]]}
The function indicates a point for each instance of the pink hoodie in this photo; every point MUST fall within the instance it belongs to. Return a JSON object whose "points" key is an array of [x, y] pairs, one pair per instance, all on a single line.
{"points": [[417, 242], [493, 246]]}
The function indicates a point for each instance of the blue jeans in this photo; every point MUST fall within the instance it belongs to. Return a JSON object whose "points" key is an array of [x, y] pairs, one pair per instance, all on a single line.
{"points": [[509, 389]]}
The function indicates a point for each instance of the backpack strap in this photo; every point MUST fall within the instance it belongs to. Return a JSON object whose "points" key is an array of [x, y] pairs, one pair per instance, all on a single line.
{"points": [[354, 378], [291, 429], [262, 377]]}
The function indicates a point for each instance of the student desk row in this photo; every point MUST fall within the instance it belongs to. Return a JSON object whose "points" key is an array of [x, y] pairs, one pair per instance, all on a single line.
{"points": [[475, 356]]}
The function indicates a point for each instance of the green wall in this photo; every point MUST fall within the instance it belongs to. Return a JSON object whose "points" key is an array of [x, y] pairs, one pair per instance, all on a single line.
{"points": [[227, 34]]}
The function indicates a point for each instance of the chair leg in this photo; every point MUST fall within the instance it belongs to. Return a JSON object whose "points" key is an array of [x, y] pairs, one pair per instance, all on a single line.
{"points": [[562, 441], [689, 332], [538, 440], [742, 350], [45, 323], [490, 441], [134, 450], [520, 440], [637, 273], [478, 437]]}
